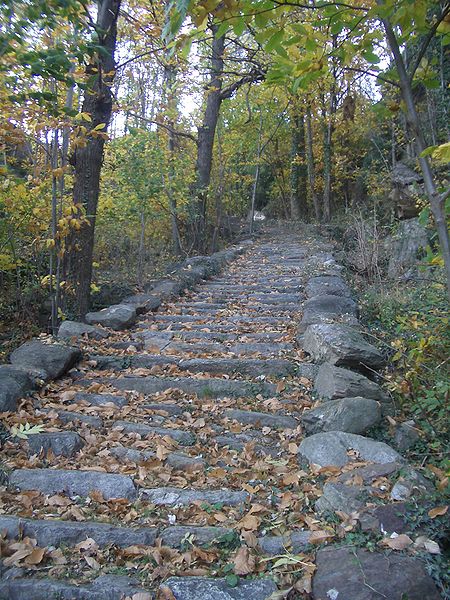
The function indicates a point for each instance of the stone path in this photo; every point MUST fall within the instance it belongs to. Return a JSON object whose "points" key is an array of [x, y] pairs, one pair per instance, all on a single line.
{"points": [[184, 457]]}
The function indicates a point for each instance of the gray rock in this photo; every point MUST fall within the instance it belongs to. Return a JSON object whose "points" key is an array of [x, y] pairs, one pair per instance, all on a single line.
{"points": [[73, 483], [356, 574], [74, 329], [386, 519], [311, 317], [327, 284], [175, 536], [106, 587], [170, 496], [330, 448], [100, 399], [143, 303], [61, 443], [55, 532], [243, 366], [67, 416], [185, 438], [341, 497], [341, 346], [411, 485], [204, 588], [404, 248], [117, 317], [25, 377], [176, 460], [206, 388], [406, 435], [155, 340], [334, 382], [238, 442], [51, 360], [328, 303], [10, 392], [370, 473], [354, 415], [248, 417], [295, 542], [172, 410], [167, 288]]}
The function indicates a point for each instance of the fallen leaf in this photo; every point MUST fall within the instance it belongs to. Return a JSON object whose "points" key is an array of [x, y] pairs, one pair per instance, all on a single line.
{"points": [[319, 537], [244, 562], [35, 557], [399, 542], [438, 511], [92, 562]]}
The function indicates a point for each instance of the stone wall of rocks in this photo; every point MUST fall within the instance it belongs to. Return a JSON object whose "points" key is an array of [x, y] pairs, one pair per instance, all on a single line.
{"points": [[41, 360]]}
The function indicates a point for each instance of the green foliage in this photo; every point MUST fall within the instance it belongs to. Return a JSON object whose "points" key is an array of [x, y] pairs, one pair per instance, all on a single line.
{"points": [[24, 430]]}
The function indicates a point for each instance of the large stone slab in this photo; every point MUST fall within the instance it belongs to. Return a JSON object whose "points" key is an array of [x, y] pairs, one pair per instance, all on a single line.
{"points": [[185, 438], [334, 382], [354, 415], [356, 574], [331, 447], [177, 535], [203, 588], [295, 542], [106, 587], [341, 346], [67, 416], [117, 317], [61, 443], [75, 330], [248, 417], [55, 532], [15, 383], [50, 360], [327, 284], [204, 388], [73, 483], [100, 399], [176, 460], [170, 496], [143, 303]]}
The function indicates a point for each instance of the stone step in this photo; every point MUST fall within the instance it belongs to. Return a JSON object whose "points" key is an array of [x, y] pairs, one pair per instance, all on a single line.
{"points": [[176, 460], [172, 496], [185, 438], [242, 366], [55, 532], [67, 416], [204, 388], [100, 399], [248, 417], [105, 587], [73, 483], [205, 588], [238, 441], [61, 443], [176, 536]]}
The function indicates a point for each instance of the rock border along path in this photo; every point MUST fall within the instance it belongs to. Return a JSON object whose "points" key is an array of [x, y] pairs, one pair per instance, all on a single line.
{"points": [[205, 438]]}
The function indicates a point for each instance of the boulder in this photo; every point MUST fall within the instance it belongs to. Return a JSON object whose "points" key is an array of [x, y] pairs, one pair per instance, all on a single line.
{"points": [[406, 435], [61, 443], [340, 345], [352, 573], [73, 329], [205, 588], [248, 417], [404, 247], [354, 415], [340, 497], [117, 317], [295, 542], [50, 360], [334, 382], [143, 303], [15, 383], [331, 448], [327, 284], [166, 288]]}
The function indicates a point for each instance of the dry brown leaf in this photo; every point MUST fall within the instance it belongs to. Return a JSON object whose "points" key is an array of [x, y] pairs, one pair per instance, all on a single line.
{"points": [[35, 557], [320, 536], [165, 593], [249, 522], [92, 562], [399, 542], [142, 596], [244, 562], [438, 511]]}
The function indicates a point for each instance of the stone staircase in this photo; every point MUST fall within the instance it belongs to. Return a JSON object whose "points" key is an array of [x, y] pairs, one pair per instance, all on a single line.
{"points": [[174, 462]]}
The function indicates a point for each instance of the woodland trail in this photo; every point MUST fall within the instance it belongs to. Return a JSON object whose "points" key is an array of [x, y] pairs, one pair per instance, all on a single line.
{"points": [[174, 465]]}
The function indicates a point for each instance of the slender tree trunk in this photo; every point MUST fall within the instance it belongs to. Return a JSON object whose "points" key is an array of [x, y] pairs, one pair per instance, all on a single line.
{"points": [[141, 250], [257, 170], [298, 202], [310, 164], [219, 191], [437, 200], [87, 159], [205, 145]]}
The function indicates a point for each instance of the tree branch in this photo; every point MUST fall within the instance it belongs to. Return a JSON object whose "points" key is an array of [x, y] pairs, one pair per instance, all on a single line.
{"points": [[189, 136], [252, 77]]}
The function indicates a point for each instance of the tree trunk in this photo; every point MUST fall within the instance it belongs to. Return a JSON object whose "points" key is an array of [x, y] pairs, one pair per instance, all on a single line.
{"points": [[298, 168], [437, 201], [205, 145], [310, 164], [256, 180], [87, 159]]}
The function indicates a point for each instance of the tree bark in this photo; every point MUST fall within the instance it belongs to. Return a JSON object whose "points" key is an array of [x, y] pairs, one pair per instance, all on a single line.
{"points": [[310, 164], [87, 159], [437, 200], [299, 206], [205, 143]]}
